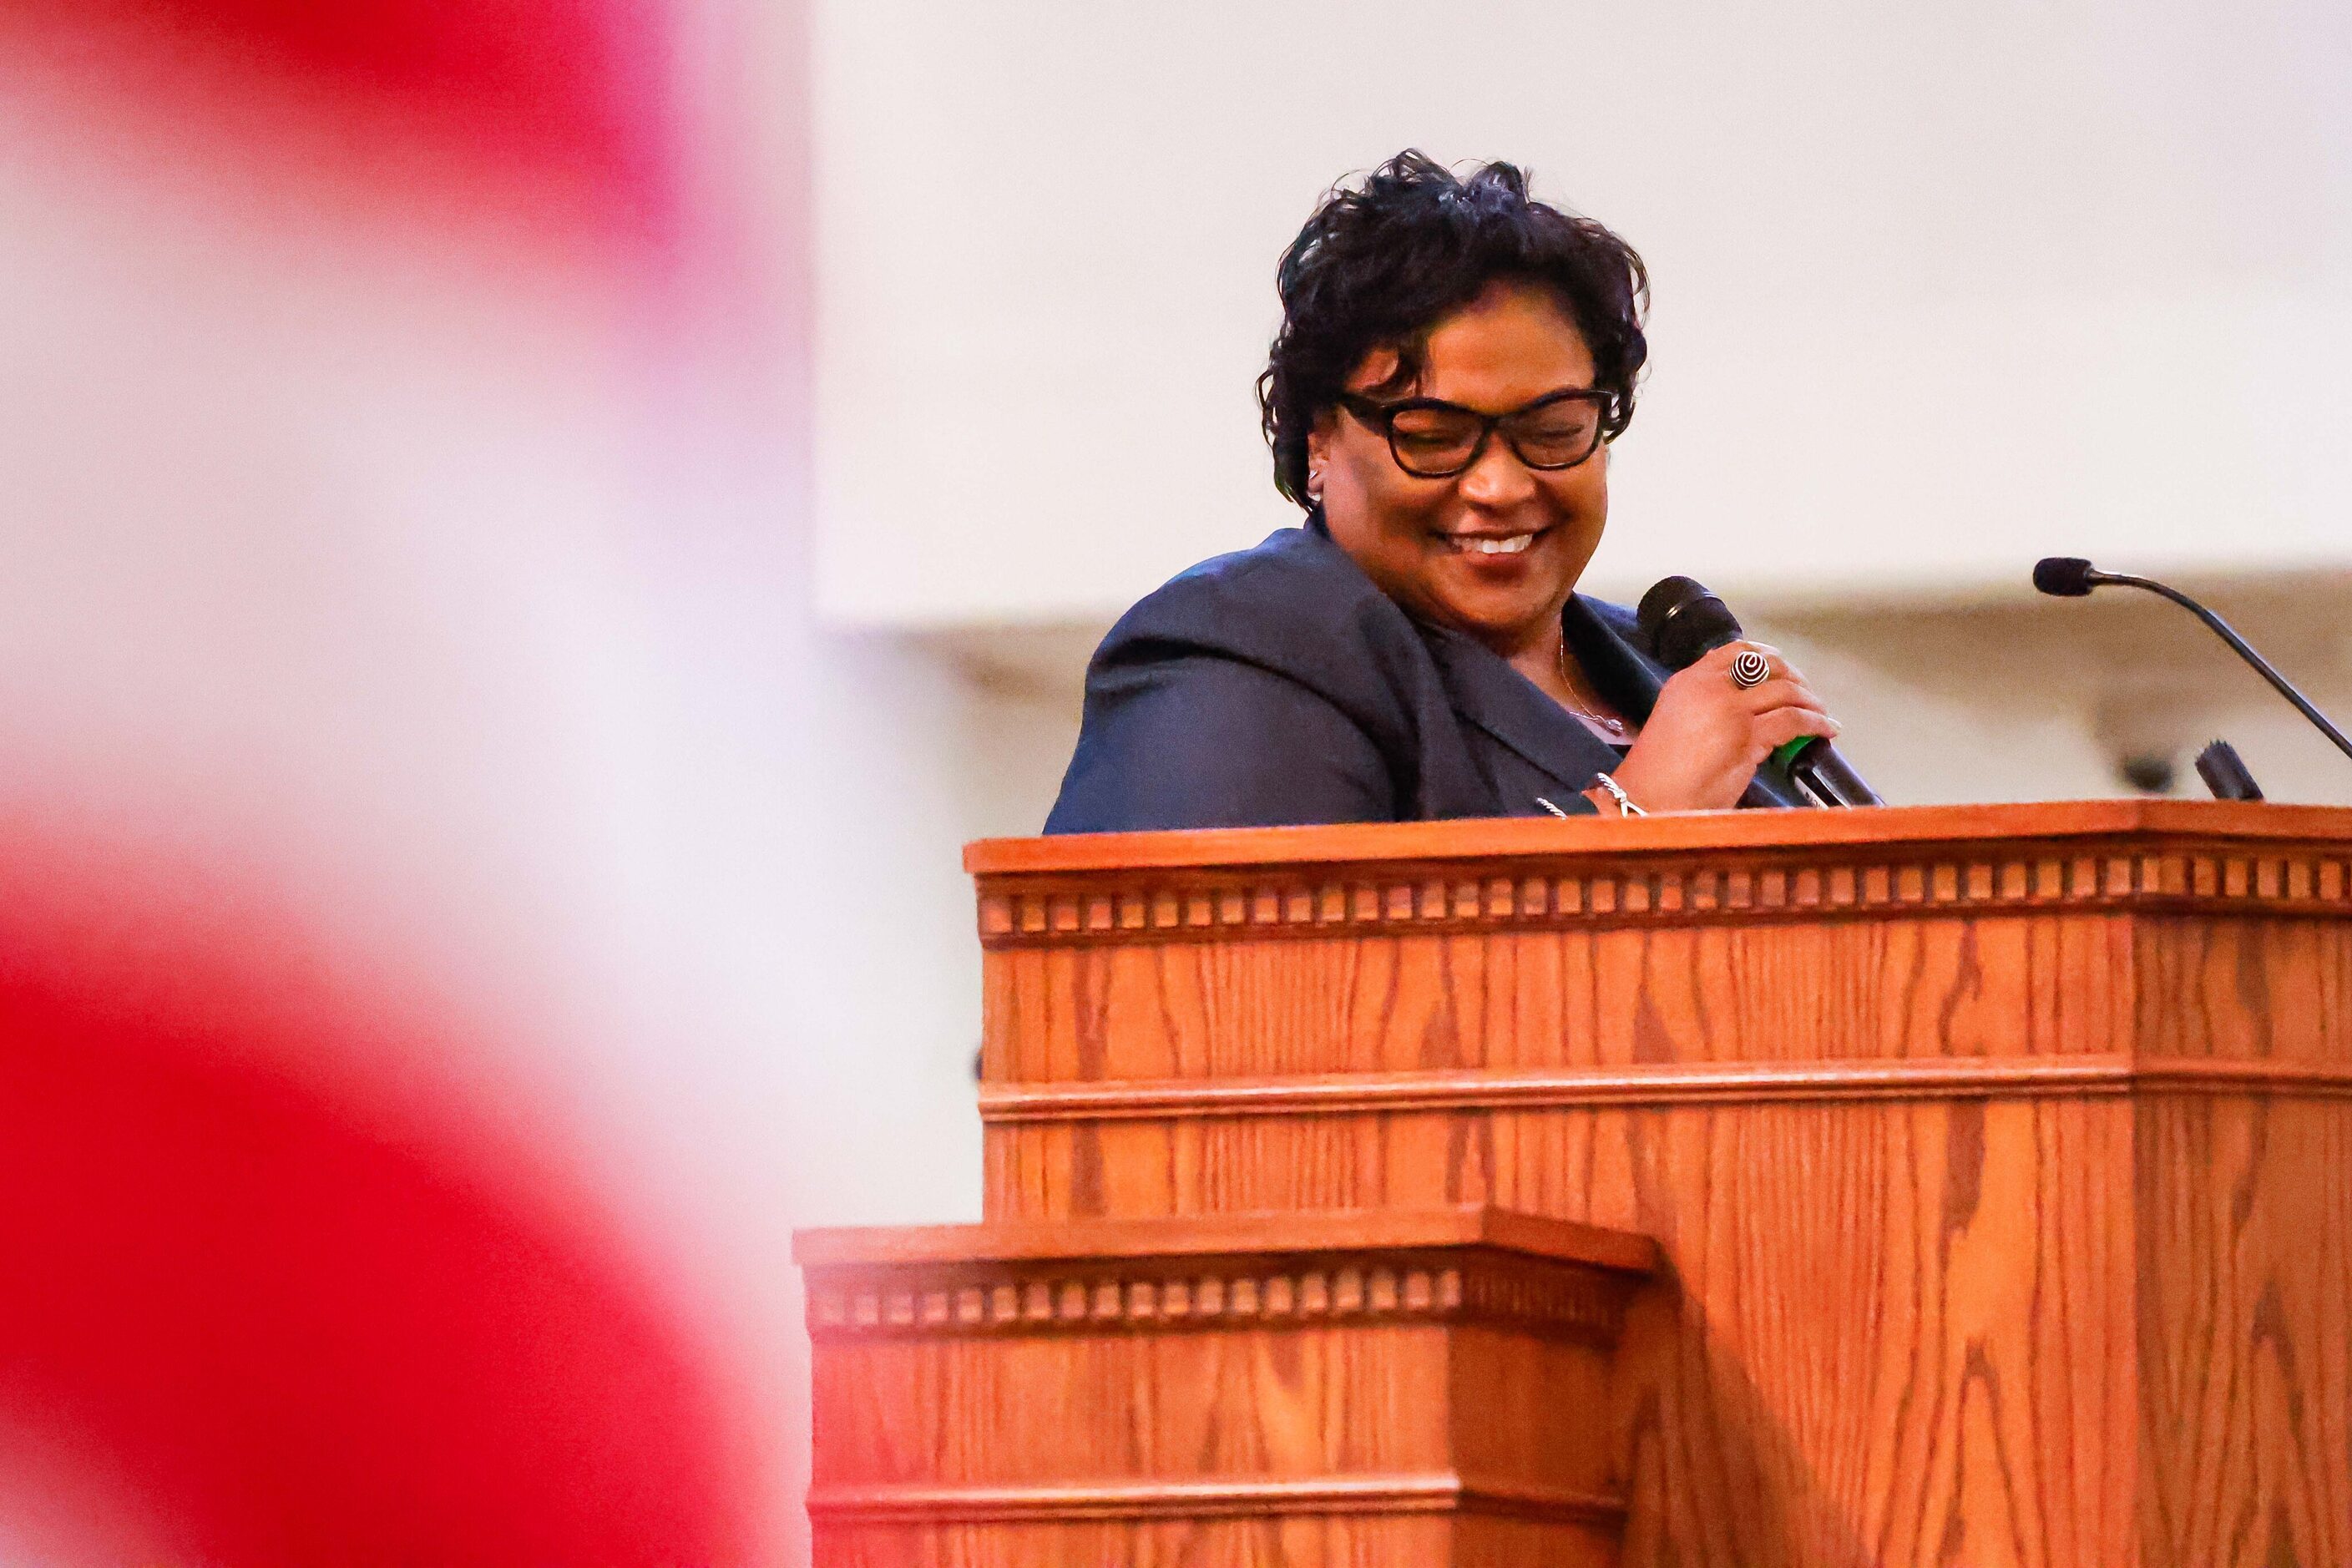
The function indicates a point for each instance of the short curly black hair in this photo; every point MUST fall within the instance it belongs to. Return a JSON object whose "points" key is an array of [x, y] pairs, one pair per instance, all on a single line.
{"points": [[1380, 265]]}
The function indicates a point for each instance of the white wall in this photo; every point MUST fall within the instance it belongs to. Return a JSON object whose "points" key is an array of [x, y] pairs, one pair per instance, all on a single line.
{"points": [[1937, 291]]}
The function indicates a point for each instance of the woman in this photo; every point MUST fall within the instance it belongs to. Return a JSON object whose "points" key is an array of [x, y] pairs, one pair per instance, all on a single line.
{"points": [[1452, 363]]}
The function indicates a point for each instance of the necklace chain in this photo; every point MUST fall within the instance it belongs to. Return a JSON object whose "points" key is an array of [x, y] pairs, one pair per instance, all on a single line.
{"points": [[1615, 726]]}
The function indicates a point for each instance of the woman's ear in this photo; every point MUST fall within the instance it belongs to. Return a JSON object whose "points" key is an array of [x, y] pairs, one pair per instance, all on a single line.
{"points": [[1318, 454]]}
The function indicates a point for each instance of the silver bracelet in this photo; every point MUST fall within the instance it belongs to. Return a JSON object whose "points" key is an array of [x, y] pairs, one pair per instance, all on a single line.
{"points": [[1617, 793]]}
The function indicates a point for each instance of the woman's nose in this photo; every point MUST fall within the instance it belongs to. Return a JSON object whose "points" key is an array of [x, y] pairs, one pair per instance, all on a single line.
{"points": [[1498, 479]]}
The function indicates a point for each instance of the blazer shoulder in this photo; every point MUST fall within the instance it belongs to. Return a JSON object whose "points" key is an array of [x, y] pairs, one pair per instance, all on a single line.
{"points": [[1297, 690], [1296, 604]]}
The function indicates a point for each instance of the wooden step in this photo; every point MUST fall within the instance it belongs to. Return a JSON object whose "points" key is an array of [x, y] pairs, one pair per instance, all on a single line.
{"points": [[1368, 1388]]}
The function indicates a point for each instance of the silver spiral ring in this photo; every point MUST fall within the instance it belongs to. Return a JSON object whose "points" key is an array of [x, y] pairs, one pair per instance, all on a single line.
{"points": [[1750, 669]]}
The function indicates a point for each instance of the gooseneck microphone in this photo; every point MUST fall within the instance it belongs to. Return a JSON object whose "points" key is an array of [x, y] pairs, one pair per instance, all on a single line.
{"points": [[2071, 577], [2225, 773], [1682, 622]]}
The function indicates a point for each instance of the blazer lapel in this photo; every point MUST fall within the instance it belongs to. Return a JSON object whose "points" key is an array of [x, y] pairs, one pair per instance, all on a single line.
{"points": [[1624, 674], [1487, 693]]}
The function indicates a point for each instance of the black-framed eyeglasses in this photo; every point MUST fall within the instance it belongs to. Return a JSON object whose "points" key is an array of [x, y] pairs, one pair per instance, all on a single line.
{"points": [[1432, 439]]}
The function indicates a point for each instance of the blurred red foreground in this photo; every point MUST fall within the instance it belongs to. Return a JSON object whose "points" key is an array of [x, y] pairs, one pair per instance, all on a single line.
{"points": [[261, 1313]]}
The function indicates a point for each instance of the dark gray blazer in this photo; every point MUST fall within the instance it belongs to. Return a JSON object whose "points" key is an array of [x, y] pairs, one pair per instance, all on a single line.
{"points": [[1278, 685]]}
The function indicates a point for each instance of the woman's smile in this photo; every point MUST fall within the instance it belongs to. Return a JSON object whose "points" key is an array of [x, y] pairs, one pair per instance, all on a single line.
{"points": [[1488, 546]]}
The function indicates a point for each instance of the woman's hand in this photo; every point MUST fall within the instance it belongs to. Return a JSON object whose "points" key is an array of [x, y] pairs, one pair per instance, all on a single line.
{"points": [[1705, 739]]}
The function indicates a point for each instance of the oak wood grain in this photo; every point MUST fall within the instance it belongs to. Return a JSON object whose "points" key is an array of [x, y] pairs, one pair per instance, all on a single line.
{"points": [[1998, 1155], [1408, 1387], [1295, 1540], [1133, 1250], [2070, 1076], [1453, 843]]}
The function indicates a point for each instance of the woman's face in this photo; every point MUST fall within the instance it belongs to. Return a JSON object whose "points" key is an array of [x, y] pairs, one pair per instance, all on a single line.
{"points": [[1449, 550]]}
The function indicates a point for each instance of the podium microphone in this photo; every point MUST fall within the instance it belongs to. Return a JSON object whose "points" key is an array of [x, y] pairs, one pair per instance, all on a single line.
{"points": [[2071, 577], [1683, 623]]}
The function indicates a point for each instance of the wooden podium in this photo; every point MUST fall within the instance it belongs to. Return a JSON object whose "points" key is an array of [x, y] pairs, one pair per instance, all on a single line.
{"points": [[1942, 1185]]}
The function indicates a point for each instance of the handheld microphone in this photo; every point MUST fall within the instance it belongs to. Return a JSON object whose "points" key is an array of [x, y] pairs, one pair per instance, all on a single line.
{"points": [[1683, 623], [2071, 577]]}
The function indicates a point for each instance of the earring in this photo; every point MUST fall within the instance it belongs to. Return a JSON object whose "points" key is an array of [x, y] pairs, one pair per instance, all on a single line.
{"points": [[1314, 486]]}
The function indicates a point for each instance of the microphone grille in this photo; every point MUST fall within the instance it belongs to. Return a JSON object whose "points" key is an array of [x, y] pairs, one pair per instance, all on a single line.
{"points": [[2064, 576], [1680, 621]]}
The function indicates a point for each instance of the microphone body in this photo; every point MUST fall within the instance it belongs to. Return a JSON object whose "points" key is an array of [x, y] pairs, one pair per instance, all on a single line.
{"points": [[1821, 771], [1683, 623], [2071, 577], [2225, 773]]}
